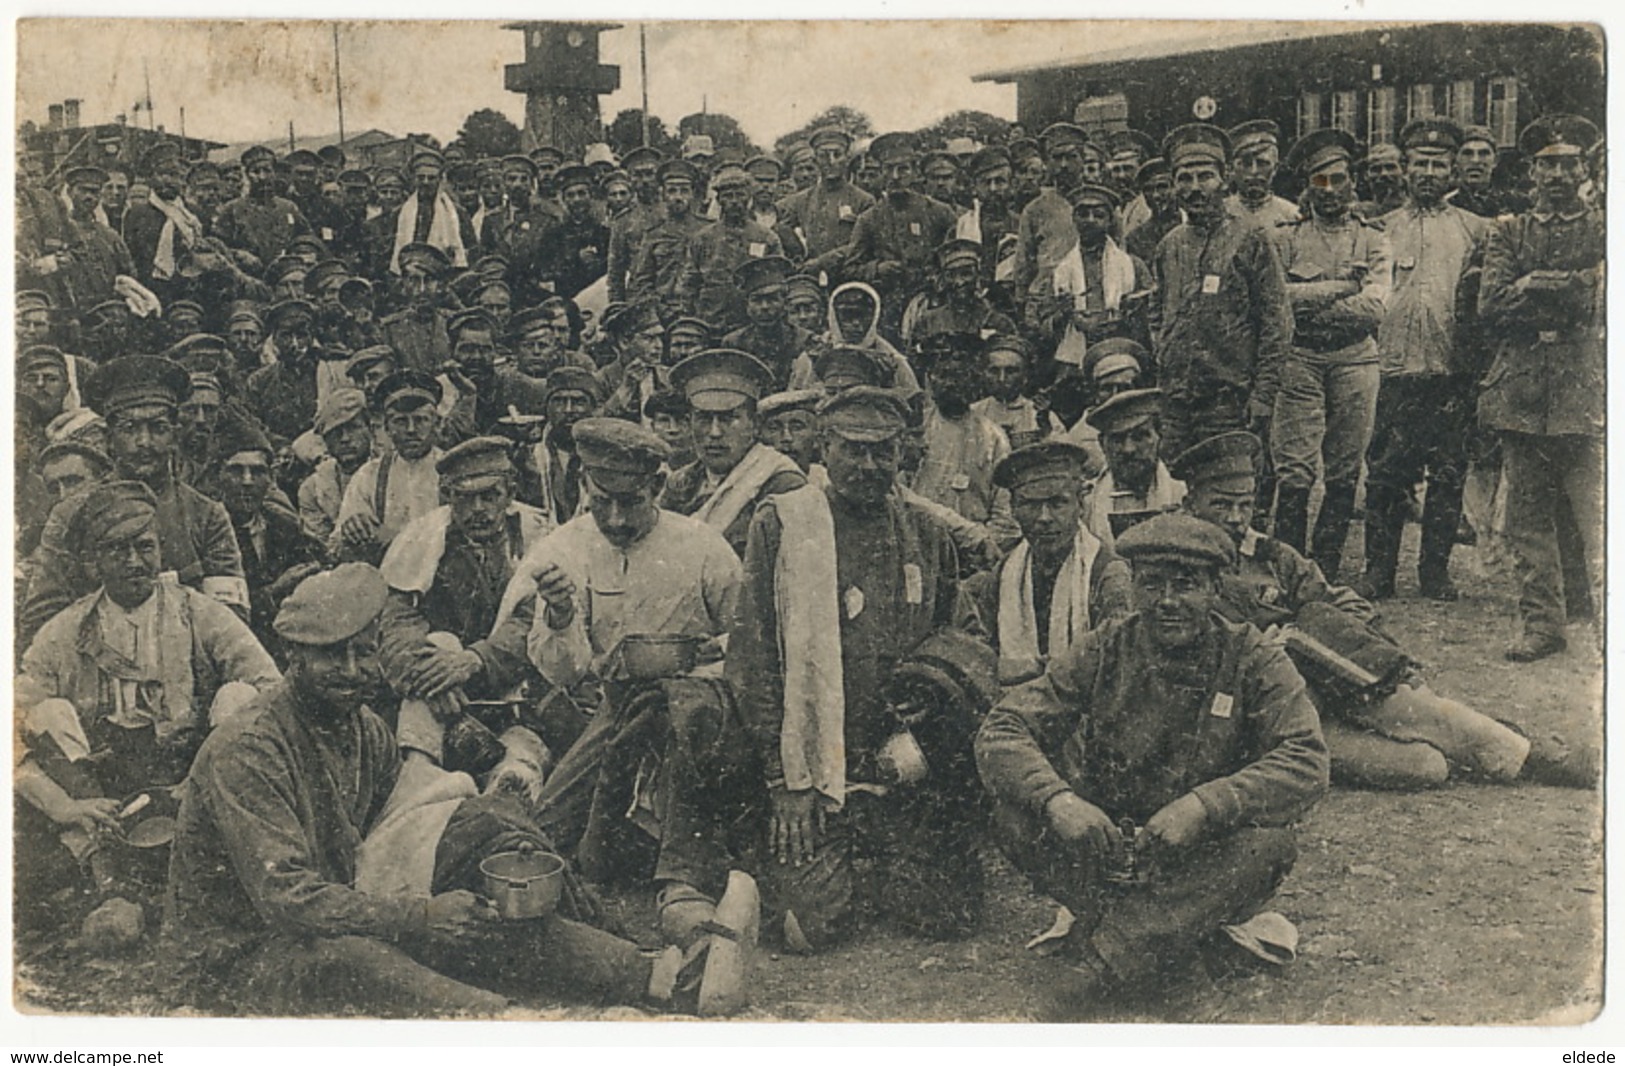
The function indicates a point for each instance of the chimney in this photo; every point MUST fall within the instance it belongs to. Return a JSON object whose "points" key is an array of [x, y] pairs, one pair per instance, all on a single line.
{"points": [[55, 111], [121, 118], [70, 114]]}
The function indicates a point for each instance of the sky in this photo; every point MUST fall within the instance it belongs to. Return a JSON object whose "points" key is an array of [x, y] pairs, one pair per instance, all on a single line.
{"points": [[245, 80]]}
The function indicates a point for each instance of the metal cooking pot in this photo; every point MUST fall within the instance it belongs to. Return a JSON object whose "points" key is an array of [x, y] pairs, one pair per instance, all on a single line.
{"points": [[653, 656], [525, 883]]}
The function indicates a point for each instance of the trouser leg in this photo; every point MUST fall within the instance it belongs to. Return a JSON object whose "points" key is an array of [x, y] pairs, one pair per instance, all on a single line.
{"points": [[1141, 931], [1153, 928], [552, 955], [1466, 738], [351, 975], [1351, 408], [1363, 759], [566, 797], [1298, 427], [1393, 464], [712, 797], [1533, 482], [1583, 486], [1446, 458]]}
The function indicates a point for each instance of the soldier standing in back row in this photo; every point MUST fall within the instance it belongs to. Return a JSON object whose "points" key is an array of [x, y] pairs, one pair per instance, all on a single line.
{"points": [[1542, 296], [1225, 320], [1339, 273]]}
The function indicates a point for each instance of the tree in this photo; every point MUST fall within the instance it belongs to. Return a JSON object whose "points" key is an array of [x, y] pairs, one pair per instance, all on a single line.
{"points": [[850, 119], [979, 126], [623, 134], [487, 133], [724, 131]]}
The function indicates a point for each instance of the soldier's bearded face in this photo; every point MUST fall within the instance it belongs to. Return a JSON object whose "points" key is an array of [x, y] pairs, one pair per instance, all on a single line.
{"points": [[1428, 173], [678, 196], [1331, 191], [141, 440], [1131, 454], [618, 197], [1176, 600], [993, 187], [861, 472], [350, 444], [127, 567], [478, 509], [339, 678]]}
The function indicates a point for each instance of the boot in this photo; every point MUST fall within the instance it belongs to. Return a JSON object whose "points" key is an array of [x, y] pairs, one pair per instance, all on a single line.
{"points": [[1292, 517], [1384, 524], [1332, 528], [1440, 516]]}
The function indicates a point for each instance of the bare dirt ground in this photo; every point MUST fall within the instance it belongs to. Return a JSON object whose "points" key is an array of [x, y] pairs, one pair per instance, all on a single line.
{"points": [[1469, 905]]}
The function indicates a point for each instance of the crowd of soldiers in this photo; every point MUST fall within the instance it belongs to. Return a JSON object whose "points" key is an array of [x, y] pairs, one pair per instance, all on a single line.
{"points": [[768, 538]]}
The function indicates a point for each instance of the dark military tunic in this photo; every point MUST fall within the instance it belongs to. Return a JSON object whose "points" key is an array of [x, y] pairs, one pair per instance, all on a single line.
{"points": [[263, 227], [714, 253]]}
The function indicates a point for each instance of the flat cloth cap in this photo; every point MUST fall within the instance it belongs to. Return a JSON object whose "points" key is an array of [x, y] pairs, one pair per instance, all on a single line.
{"points": [[113, 511], [1124, 142], [832, 135], [843, 366], [804, 286], [41, 355], [135, 380], [1089, 192], [794, 400], [33, 300], [1150, 170], [732, 176], [370, 356], [1383, 153], [958, 250], [864, 413], [1042, 461], [642, 154], [303, 158], [1438, 133], [678, 170], [1558, 134], [1225, 457], [575, 174], [408, 389], [1196, 142], [254, 153], [476, 318], [1125, 410], [1254, 134], [754, 274], [1062, 135], [1114, 356], [1320, 148], [720, 379], [1176, 537], [570, 379], [73, 446], [893, 148], [474, 462], [196, 349], [77, 177], [988, 160], [332, 606], [690, 327], [287, 312], [239, 435], [618, 455], [338, 408]]}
